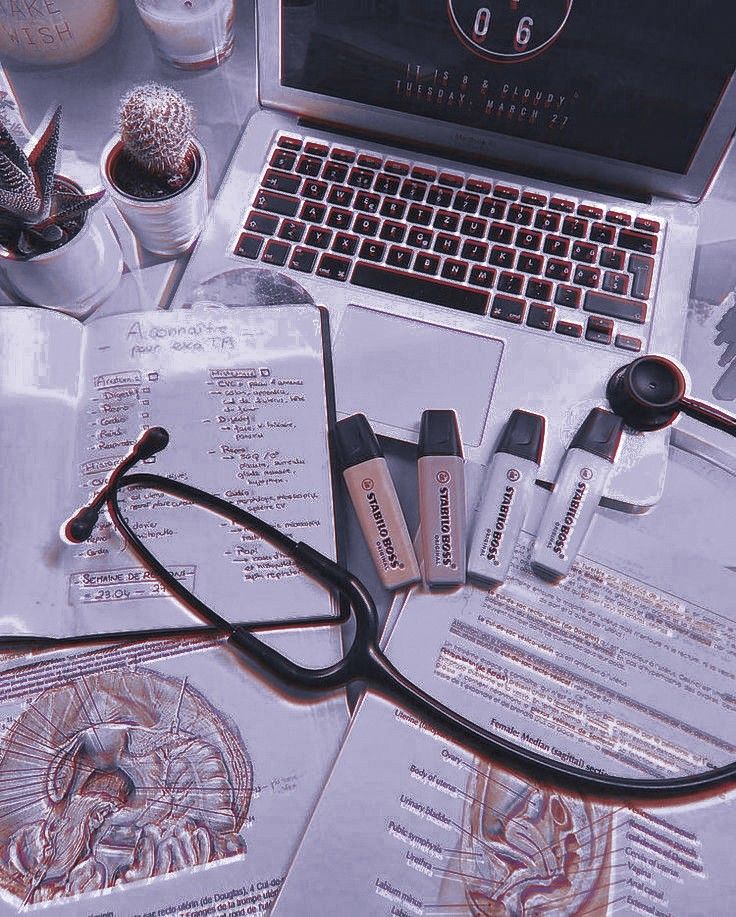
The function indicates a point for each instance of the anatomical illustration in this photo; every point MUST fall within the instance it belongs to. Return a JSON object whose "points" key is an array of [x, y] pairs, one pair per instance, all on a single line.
{"points": [[114, 777], [529, 850]]}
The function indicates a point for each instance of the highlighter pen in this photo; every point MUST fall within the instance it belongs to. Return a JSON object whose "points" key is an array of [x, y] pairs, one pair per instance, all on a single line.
{"points": [[506, 491], [377, 506], [441, 473], [578, 490]]}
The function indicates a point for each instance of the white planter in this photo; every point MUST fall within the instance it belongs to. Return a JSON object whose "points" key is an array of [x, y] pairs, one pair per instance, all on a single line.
{"points": [[74, 278], [165, 226]]}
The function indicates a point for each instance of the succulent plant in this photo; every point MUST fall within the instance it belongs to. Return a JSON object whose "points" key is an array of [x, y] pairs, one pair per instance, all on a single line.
{"points": [[38, 210], [156, 124]]}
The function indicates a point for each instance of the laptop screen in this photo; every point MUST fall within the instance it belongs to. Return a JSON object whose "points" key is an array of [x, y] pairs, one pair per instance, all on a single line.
{"points": [[631, 80]]}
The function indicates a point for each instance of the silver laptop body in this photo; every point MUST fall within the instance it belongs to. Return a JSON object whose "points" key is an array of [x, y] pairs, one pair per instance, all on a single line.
{"points": [[393, 352]]}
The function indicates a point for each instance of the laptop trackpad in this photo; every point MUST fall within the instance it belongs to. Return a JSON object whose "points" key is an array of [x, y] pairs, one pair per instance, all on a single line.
{"points": [[392, 368]]}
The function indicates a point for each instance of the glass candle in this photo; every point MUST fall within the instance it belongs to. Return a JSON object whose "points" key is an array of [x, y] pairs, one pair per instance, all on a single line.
{"points": [[190, 34]]}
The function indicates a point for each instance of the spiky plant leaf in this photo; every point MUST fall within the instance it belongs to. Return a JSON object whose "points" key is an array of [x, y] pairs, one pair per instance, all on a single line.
{"points": [[26, 208], [65, 205], [10, 149], [42, 160]]}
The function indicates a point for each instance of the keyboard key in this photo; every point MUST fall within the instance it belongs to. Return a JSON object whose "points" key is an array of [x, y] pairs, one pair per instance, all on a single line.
{"points": [[339, 219], [574, 226], [508, 309], [555, 245], [314, 190], [567, 296], [366, 226], [455, 270], [558, 270], [419, 214], [289, 143], [637, 241], [474, 251], [445, 219], [291, 230], [482, 276], [521, 216], [586, 276], [562, 203], [396, 167], [587, 210], [309, 165], [584, 251], [334, 171], [424, 173], [368, 161], [360, 178], [540, 316], [599, 232], [506, 192], [530, 264], [613, 282], [372, 251], [615, 306], [620, 219], [249, 246], [393, 232], [446, 245], [441, 197], [538, 289], [345, 243], [283, 160], [264, 223], [333, 268], [527, 238], [316, 149], [642, 268], [535, 198], [425, 289], [494, 209], [313, 213], [276, 253], [413, 190], [427, 264], [475, 227], [599, 330], [399, 257], [319, 237], [281, 181], [478, 186], [419, 238], [341, 196], [548, 221], [394, 208], [647, 224], [502, 257], [613, 258], [277, 203], [627, 342], [386, 184], [303, 259], [342, 155], [367, 202], [570, 329], [510, 283], [465, 202], [501, 232], [451, 180]]}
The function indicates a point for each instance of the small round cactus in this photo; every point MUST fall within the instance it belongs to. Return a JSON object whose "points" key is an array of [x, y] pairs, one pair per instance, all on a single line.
{"points": [[156, 125]]}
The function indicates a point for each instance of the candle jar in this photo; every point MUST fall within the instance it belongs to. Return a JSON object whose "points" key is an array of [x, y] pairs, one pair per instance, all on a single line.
{"points": [[190, 34], [50, 32]]}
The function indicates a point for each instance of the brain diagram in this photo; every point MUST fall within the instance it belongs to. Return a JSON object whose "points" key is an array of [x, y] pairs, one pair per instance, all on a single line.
{"points": [[116, 777], [529, 850]]}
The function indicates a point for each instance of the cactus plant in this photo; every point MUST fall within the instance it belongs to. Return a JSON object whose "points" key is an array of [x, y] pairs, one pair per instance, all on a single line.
{"points": [[39, 211], [156, 124]]}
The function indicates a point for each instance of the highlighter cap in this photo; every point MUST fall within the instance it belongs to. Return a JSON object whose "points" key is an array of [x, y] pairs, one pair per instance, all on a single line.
{"points": [[439, 434], [355, 441], [523, 436], [599, 434]]}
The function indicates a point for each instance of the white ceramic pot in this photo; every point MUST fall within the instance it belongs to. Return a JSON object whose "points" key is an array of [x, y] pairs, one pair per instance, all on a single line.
{"points": [[165, 226], [74, 278]]}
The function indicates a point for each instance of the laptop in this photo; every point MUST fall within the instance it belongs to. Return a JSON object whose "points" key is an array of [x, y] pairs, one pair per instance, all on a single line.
{"points": [[496, 202]]}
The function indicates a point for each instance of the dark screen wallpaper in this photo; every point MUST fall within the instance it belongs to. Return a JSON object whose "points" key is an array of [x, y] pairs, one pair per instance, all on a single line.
{"points": [[634, 80]]}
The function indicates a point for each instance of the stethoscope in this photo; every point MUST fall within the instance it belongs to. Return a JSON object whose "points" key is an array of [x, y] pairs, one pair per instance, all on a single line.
{"points": [[644, 392]]}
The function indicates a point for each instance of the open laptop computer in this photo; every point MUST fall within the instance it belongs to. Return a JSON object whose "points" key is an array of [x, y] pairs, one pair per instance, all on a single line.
{"points": [[494, 200]]}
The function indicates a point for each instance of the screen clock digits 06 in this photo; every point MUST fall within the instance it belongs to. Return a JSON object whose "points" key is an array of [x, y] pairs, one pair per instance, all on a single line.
{"points": [[508, 31]]}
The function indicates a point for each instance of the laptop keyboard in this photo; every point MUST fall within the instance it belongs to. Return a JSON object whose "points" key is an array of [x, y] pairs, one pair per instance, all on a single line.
{"points": [[550, 262]]}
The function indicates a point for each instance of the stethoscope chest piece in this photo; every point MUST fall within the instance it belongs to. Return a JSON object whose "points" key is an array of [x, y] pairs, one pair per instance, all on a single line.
{"points": [[647, 393]]}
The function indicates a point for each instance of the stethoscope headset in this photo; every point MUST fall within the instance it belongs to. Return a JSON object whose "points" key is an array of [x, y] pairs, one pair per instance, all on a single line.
{"points": [[648, 393]]}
